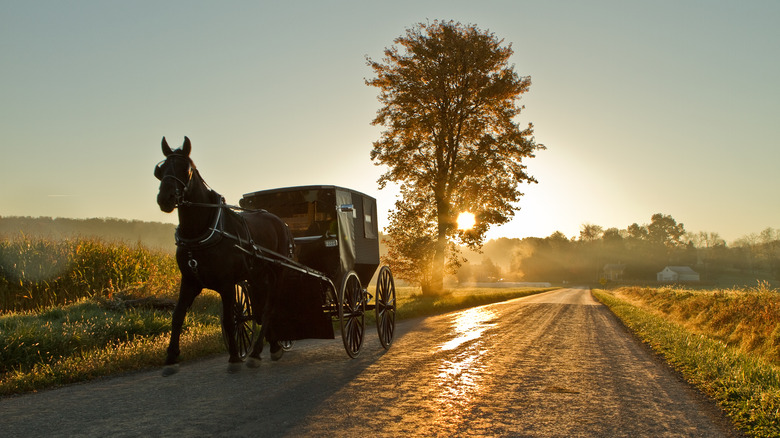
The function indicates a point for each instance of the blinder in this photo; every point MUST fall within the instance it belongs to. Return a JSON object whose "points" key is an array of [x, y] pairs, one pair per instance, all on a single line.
{"points": [[158, 170]]}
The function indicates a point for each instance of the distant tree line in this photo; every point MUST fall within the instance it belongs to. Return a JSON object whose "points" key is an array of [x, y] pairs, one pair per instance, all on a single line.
{"points": [[154, 235], [642, 250]]}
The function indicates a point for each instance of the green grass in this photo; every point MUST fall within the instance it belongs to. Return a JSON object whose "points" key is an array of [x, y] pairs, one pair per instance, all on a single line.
{"points": [[90, 339], [745, 385]]}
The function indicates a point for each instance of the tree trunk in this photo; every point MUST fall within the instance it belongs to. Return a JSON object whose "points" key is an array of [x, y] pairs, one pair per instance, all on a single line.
{"points": [[436, 285]]}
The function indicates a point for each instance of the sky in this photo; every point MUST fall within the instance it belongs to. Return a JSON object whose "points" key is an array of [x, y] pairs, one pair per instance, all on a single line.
{"points": [[645, 107]]}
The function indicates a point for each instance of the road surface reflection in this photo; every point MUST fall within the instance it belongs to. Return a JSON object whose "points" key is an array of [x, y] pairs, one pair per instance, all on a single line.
{"points": [[460, 377], [470, 325]]}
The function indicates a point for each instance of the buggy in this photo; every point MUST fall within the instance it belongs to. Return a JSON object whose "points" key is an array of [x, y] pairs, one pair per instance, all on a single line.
{"points": [[336, 254]]}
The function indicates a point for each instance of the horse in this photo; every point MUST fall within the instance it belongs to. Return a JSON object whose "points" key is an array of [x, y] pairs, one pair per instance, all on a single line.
{"points": [[206, 253]]}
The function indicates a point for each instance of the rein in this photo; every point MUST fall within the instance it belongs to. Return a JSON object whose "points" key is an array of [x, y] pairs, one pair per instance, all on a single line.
{"points": [[185, 203]]}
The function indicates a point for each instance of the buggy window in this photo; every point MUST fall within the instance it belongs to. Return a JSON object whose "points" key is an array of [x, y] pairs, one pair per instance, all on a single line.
{"points": [[306, 212], [369, 218]]}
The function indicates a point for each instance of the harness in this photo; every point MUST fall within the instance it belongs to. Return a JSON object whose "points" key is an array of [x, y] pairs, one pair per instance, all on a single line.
{"points": [[216, 232], [211, 237]]}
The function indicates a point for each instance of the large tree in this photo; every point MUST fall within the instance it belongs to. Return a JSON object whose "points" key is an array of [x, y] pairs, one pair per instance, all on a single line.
{"points": [[449, 104]]}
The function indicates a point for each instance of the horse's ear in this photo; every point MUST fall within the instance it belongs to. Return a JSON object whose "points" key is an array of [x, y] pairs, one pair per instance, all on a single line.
{"points": [[187, 146], [165, 148]]}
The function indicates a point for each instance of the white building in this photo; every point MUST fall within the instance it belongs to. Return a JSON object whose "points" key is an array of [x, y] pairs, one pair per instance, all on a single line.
{"points": [[672, 274]]}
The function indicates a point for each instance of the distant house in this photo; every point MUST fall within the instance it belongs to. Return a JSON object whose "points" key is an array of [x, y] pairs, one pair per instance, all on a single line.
{"points": [[672, 274], [613, 272]]}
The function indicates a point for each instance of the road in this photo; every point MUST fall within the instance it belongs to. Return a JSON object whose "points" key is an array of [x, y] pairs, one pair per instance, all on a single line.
{"points": [[556, 364]]}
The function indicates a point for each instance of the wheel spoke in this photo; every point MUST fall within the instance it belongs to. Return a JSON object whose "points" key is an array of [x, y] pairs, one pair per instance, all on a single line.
{"points": [[352, 314], [385, 307], [242, 321]]}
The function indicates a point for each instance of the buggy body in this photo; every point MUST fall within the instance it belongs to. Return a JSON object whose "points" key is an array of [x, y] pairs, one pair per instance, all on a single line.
{"points": [[336, 255], [334, 228]]}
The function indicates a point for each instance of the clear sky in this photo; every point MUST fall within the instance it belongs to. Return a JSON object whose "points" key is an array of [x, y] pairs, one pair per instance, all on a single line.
{"points": [[646, 107]]}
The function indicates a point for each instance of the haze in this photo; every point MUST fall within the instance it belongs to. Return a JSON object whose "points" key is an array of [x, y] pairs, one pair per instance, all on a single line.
{"points": [[645, 107]]}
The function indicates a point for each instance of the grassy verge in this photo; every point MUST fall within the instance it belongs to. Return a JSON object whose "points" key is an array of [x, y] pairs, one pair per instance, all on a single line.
{"points": [[745, 385], [90, 339], [94, 337]]}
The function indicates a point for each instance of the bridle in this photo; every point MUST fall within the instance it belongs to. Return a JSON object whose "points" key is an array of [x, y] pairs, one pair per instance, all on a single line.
{"points": [[180, 186], [180, 193]]}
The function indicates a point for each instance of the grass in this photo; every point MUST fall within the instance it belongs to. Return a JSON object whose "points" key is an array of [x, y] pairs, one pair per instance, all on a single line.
{"points": [[93, 338], [747, 319], [38, 273], [709, 337]]}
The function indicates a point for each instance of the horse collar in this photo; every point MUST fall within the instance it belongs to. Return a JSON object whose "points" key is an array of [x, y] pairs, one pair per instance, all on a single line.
{"points": [[211, 237]]}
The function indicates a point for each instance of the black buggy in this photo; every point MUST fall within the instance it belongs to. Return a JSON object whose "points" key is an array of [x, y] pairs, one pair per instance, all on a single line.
{"points": [[336, 254]]}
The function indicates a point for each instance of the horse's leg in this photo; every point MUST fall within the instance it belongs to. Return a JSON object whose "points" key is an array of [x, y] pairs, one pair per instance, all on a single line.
{"points": [[259, 291], [229, 326], [187, 294], [274, 293]]}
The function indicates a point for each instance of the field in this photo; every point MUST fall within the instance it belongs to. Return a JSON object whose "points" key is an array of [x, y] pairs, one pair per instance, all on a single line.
{"points": [[38, 273], [725, 342], [65, 315]]}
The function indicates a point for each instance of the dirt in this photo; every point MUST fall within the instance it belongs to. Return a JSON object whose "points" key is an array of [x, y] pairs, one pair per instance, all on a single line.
{"points": [[554, 364]]}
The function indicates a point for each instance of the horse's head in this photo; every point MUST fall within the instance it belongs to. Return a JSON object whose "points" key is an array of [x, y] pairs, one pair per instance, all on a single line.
{"points": [[174, 173]]}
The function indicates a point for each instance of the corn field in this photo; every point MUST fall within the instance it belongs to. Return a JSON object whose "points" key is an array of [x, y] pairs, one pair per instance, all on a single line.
{"points": [[37, 273]]}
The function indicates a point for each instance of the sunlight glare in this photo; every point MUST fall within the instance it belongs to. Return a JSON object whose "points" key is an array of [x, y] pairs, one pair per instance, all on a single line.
{"points": [[463, 373], [466, 221], [470, 325]]}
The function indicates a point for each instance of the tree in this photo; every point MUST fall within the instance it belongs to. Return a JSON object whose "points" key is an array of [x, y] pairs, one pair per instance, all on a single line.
{"points": [[663, 229], [637, 232], [590, 232], [449, 100]]}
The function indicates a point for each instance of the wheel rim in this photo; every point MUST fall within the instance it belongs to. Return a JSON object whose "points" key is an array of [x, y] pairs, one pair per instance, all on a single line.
{"points": [[242, 318], [385, 307], [352, 314]]}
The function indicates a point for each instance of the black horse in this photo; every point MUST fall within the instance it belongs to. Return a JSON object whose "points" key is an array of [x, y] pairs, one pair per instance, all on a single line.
{"points": [[207, 256]]}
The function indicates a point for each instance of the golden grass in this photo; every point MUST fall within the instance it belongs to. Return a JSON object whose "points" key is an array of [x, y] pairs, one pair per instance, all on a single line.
{"points": [[38, 273], [748, 319], [715, 340]]}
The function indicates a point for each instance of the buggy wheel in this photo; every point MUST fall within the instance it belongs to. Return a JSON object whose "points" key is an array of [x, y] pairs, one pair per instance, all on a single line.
{"points": [[243, 321], [385, 307], [352, 313]]}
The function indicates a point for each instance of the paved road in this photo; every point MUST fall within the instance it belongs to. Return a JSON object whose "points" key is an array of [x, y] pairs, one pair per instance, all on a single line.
{"points": [[554, 364]]}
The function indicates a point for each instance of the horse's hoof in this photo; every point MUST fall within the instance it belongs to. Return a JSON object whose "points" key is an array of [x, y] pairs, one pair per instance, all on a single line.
{"points": [[169, 370], [253, 362], [234, 367]]}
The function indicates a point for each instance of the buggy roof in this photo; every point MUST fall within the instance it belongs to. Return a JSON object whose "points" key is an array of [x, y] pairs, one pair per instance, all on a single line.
{"points": [[303, 188]]}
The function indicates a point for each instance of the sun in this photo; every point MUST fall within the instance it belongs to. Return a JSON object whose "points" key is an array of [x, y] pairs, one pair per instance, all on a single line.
{"points": [[466, 221]]}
